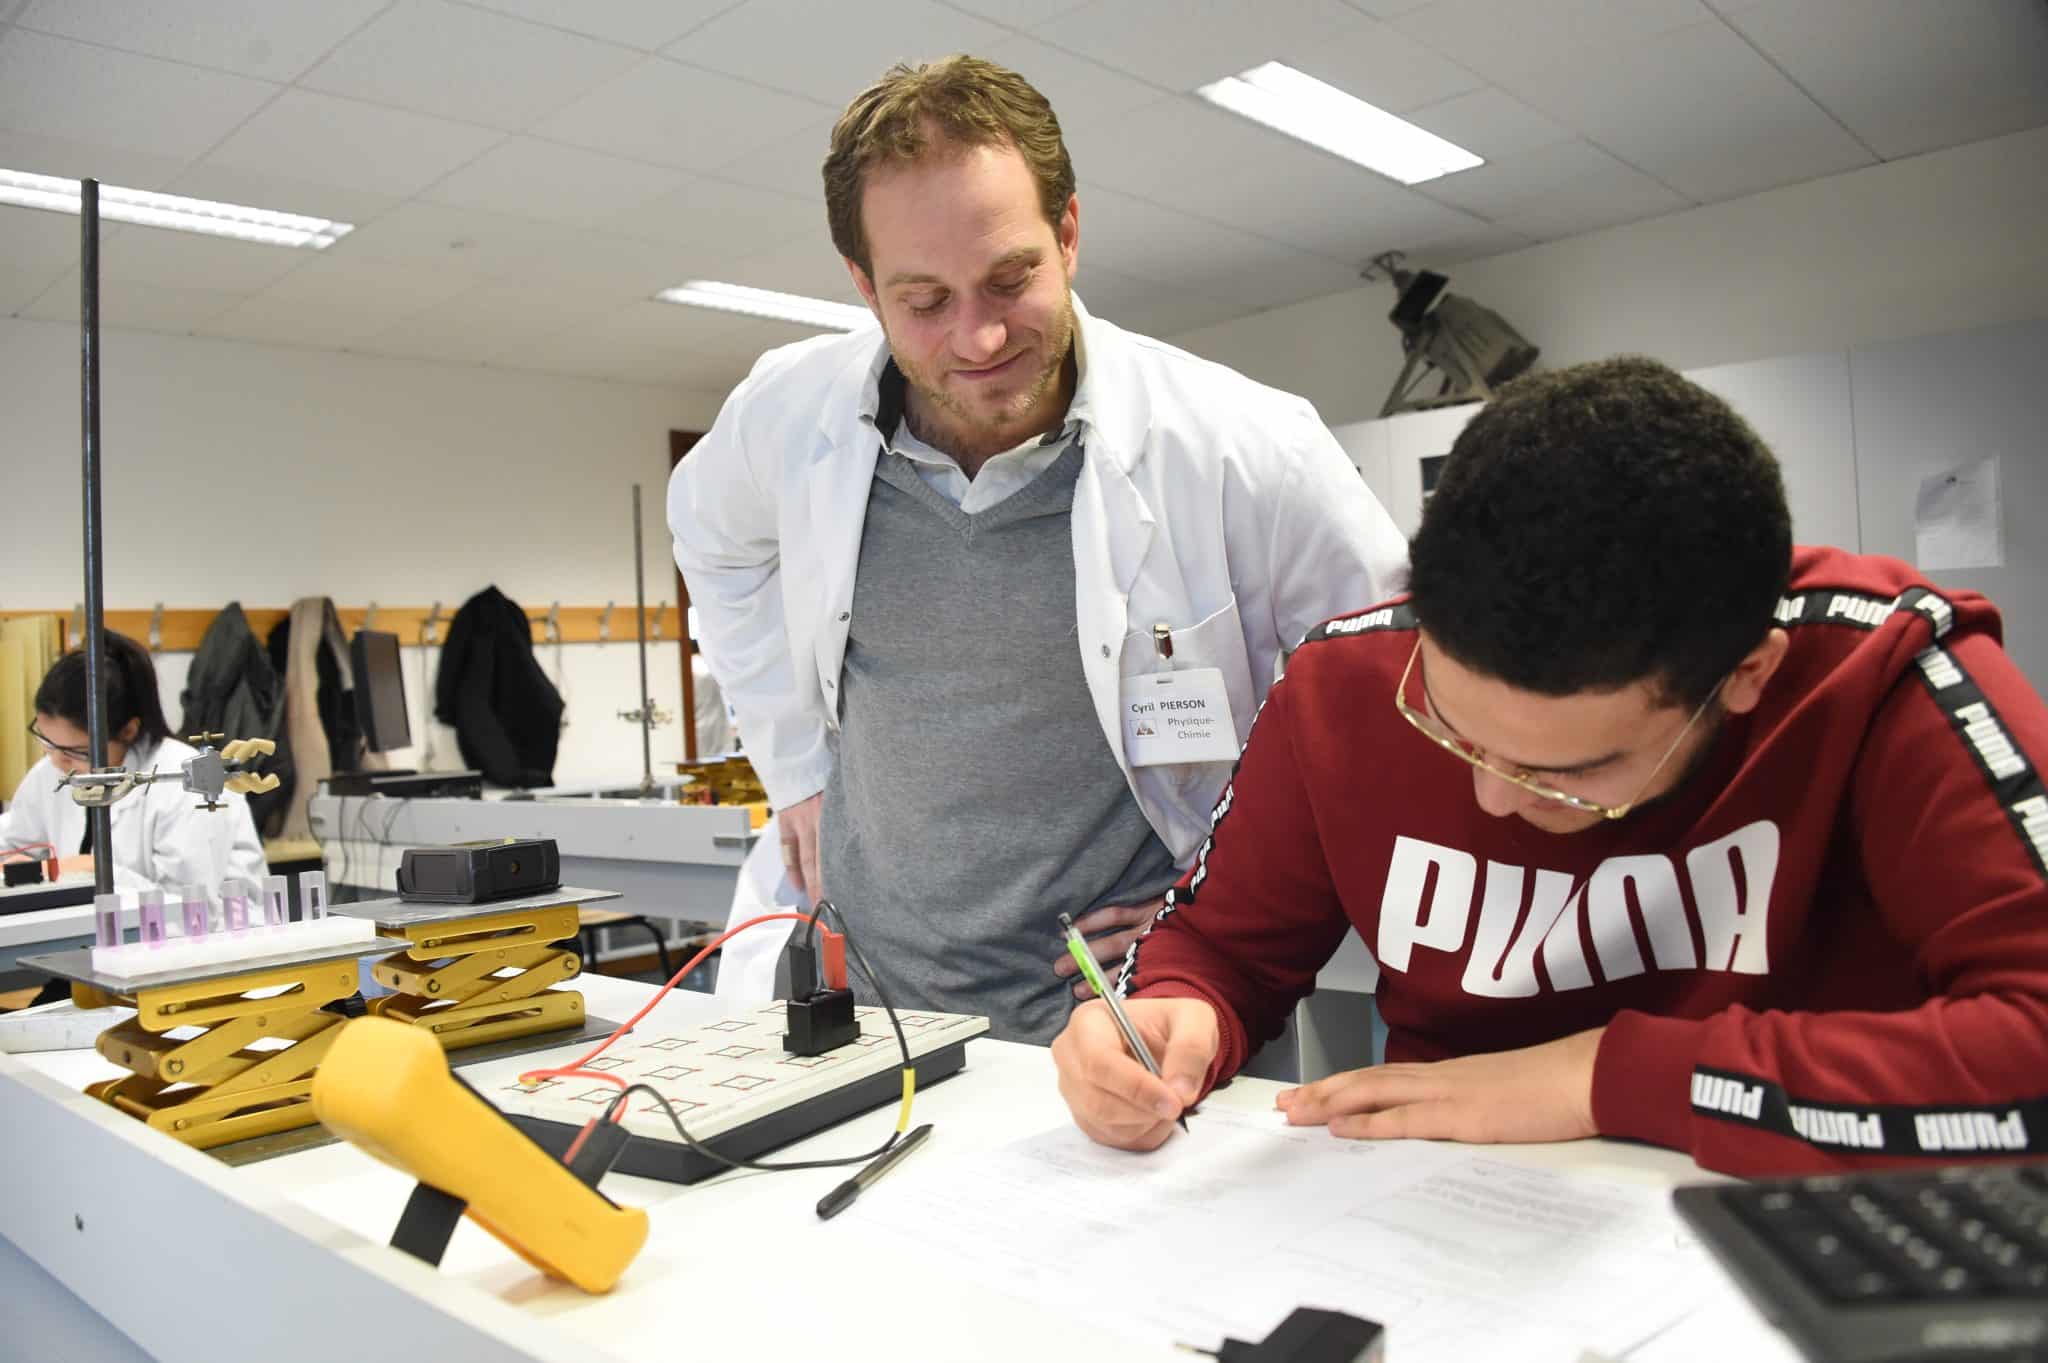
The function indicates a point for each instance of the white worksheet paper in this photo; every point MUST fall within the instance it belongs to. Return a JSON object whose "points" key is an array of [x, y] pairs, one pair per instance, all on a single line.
{"points": [[1228, 1228]]}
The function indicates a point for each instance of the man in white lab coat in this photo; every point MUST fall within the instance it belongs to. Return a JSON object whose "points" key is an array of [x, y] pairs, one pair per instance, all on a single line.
{"points": [[995, 591]]}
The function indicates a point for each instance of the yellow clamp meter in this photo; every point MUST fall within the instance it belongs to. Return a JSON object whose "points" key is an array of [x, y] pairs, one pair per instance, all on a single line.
{"points": [[387, 1088]]}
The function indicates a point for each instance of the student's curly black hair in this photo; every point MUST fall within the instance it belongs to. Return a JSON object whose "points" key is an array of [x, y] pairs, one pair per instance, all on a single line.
{"points": [[1601, 525]]}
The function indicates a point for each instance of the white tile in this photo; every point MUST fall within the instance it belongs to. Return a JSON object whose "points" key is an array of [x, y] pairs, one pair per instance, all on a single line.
{"points": [[612, 270], [1606, 201], [1178, 45], [19, 288], [36, 242], [250, 37], [792, 164], [156, 255], [1499, 185], [1495, 37], [807, 266], [1080, 91], [1385, 9], [550, 182], [1135, 238], [435, 57], [1016, 13], [61, 89], [384, 287], [677, 115], [74, 159], [843, 47], [712, 216], [1908, 76], [1187, 155], [328, 325], [1489, 123], [281, 193], [352, 145], [466, 241], [138, 306], [1150, 309], [1382, 66], [645, 24], [1698, 109]]}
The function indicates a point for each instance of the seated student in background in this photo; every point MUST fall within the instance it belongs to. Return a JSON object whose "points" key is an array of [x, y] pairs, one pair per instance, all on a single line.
{"points": [[162, 839], [1657, 827]]}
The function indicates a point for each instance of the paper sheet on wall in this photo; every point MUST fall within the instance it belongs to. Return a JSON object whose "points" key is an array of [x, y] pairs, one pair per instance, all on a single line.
{"points": [[1958, 521], [1225, 1230]]}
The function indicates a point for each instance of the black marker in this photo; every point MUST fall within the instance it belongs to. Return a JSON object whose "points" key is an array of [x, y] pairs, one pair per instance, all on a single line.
{"points": [[840, 1198]]}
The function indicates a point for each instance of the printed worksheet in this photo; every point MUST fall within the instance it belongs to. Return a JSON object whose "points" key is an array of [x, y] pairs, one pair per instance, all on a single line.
{"points": [[1223, 1231]]}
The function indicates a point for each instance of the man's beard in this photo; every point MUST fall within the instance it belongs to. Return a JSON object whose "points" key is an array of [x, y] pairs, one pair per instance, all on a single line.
{"points": [[965, 430]]}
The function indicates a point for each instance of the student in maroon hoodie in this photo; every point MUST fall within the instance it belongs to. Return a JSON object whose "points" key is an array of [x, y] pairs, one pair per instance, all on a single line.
{"points": [[1657, 826]]}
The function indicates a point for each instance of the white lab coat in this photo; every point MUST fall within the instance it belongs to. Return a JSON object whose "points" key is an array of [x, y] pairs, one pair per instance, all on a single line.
{"points": [[1211, 504], [162, 839]]}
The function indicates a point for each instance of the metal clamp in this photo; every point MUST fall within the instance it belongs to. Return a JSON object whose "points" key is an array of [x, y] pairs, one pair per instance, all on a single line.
{"points": [[369, 617], [604, 624], [156, 628], [78, 626], [660, 614], [432, 623], [554, 623]]}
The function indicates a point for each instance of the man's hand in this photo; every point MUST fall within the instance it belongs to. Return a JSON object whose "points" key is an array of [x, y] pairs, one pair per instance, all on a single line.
{"points": [[1539, 1093], [798, 826], [1114, 1099], [1132, 919]]}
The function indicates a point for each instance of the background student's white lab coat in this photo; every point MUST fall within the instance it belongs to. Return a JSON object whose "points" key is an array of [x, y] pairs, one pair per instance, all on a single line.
{"points": [[1211, 504], [162, 839]]}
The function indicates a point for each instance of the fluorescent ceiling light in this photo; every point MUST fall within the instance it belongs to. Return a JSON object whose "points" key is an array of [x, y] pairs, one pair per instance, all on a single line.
{"points": [[780, 307], [1301, 106], [174, 211]]}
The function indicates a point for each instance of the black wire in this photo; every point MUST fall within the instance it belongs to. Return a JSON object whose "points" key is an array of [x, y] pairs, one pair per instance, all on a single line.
{"points": [[824, 906]]}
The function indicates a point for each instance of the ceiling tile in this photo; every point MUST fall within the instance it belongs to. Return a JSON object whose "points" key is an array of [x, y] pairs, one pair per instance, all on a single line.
{"points": [[250, 37], [1455, 246], [716, 218], [1016, 13], [1698, 109], [1079, 91], [1382, 66], [19, 288], [350, 144], [1178, 45], [156, 255], [61, 89], [329, 325], [1385, 9], [845, 47], [466, 241], [1142, 240], [676, 115], [281, 193], [1187, 155], [792, 164], [553, 183], [645, 24], [1593, 204], [1495, 37], [76, 160], [807, 266], [1158, 310], [376, 286], [1489, 123], [1909, 77], [612, 270], [1489, 190], [140, 307], [36, 242], [435, 57]]}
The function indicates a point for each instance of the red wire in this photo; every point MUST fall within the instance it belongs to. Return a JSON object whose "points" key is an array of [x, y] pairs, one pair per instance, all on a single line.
{"points": [[575, 1067], [47, 847]]}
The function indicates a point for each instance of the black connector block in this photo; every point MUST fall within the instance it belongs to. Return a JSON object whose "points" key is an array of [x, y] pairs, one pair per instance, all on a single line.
{"points": [[1311, 1335], [23, 873], [821, 1021]]}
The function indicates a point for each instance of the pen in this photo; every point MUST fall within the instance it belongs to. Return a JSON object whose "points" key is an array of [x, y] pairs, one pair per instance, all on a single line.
{"points": [[1077, 946], [840, 1198]]}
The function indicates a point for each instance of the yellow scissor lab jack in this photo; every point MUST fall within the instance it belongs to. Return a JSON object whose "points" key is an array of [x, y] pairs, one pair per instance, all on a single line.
{"points": [[220, 1085], [489, 976]]}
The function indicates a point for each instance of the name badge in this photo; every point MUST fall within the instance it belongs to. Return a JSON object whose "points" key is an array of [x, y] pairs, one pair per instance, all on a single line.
{"points": [[1173, 717]]}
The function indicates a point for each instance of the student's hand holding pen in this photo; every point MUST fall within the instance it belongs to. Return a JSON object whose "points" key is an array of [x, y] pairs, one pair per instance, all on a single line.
{"points": [[1112, 1096]]}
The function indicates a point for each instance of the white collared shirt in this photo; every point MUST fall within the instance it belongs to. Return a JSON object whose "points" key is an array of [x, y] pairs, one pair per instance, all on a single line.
{"points": [[1002, 475]]}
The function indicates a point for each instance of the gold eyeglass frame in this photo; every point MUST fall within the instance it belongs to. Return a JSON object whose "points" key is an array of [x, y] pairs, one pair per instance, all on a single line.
{"points": [[1475, 756]]}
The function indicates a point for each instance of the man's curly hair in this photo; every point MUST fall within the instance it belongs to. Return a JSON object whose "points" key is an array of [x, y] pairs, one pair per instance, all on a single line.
{"points": [[1602, 525]]}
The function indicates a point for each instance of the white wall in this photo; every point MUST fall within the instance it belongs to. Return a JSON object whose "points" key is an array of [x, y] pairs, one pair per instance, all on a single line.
{"points": [[260, 473], [1944, 242]]}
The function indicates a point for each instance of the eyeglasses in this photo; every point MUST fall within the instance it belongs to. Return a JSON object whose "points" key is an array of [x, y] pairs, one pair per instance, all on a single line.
{"points": [[1472, 753], [80, 753]]}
